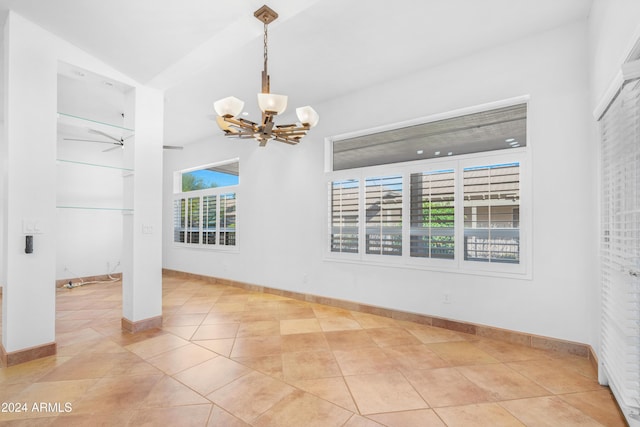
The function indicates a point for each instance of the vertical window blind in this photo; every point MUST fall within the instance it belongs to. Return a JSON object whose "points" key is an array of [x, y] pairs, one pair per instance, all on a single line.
{"points": [[620, 246]]}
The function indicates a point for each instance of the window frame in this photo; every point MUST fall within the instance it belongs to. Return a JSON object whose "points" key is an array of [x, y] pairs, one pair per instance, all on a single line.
{"points": [[218, 192], [520, 155]]}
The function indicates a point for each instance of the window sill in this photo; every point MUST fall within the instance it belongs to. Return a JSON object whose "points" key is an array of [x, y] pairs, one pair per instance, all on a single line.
{"points": [[211, 248], [502, 271]]}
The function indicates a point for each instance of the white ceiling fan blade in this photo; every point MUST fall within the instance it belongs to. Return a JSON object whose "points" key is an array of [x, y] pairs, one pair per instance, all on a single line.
{"points": [[115, 146], [172, 147], [88, 140], [105, 135]]}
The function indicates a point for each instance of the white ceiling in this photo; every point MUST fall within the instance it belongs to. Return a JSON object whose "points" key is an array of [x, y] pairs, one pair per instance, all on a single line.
{"points": [[203, 50]]}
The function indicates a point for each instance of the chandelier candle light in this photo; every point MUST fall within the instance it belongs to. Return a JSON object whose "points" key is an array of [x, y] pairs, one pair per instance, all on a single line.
{"points": [[271, 105]]}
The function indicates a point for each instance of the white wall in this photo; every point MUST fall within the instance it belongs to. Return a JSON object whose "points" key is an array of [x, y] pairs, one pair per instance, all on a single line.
{"points": [[282, 179], [30, 190], [614, 28], [3, 202], [142, 239]]}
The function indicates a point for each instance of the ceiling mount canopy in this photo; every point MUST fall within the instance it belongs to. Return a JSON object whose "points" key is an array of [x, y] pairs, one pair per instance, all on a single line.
{"points": [[270, 104]]}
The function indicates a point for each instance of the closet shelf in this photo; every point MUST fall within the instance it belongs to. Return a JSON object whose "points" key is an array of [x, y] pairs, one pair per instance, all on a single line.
{"points": [[94, 208], [127, 171], [82, 128], [74, 120]]}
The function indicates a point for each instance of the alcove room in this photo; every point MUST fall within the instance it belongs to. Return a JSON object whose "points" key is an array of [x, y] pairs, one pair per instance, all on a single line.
{"points": [[426, 216]]}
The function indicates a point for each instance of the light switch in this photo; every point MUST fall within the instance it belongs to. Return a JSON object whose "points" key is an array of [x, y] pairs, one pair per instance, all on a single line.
{"points": [[147, 229], [32, 226]]}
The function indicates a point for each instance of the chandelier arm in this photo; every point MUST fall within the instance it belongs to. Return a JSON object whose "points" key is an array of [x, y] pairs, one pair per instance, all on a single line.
{"points": [[303, 126], [242, 123], [240, 135], [292, 129], [242, 131], [291, 135], [234, 132], [245, 122]]}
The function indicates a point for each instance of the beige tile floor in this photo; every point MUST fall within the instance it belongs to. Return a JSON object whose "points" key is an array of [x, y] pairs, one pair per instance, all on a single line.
{"points": [[229, 357]]}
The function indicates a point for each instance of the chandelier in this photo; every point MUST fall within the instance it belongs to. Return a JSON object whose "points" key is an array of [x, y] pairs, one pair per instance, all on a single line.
{"points": [[271, 105]]}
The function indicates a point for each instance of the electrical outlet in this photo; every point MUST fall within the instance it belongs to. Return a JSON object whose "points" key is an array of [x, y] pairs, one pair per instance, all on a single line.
{"points": [[446, 298]]}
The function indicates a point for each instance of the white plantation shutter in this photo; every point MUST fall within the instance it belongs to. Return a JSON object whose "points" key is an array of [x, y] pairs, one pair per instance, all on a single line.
{"points": [[179, 220], [206, 220], [345, 202], [193, 220], [432, 214], [620, 247], [383, 204], [492, 213], [209, 217], [228, 219]]}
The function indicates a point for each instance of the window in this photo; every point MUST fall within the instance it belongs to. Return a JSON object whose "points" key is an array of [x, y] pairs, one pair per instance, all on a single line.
{"points": [[383, 202], [501, 128], [491, 213], [205, 205], [432, 214], [212, 176], [209, 217], [455, 210], [345, 216], [193, 220], [227, 219], [179, 220]]}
